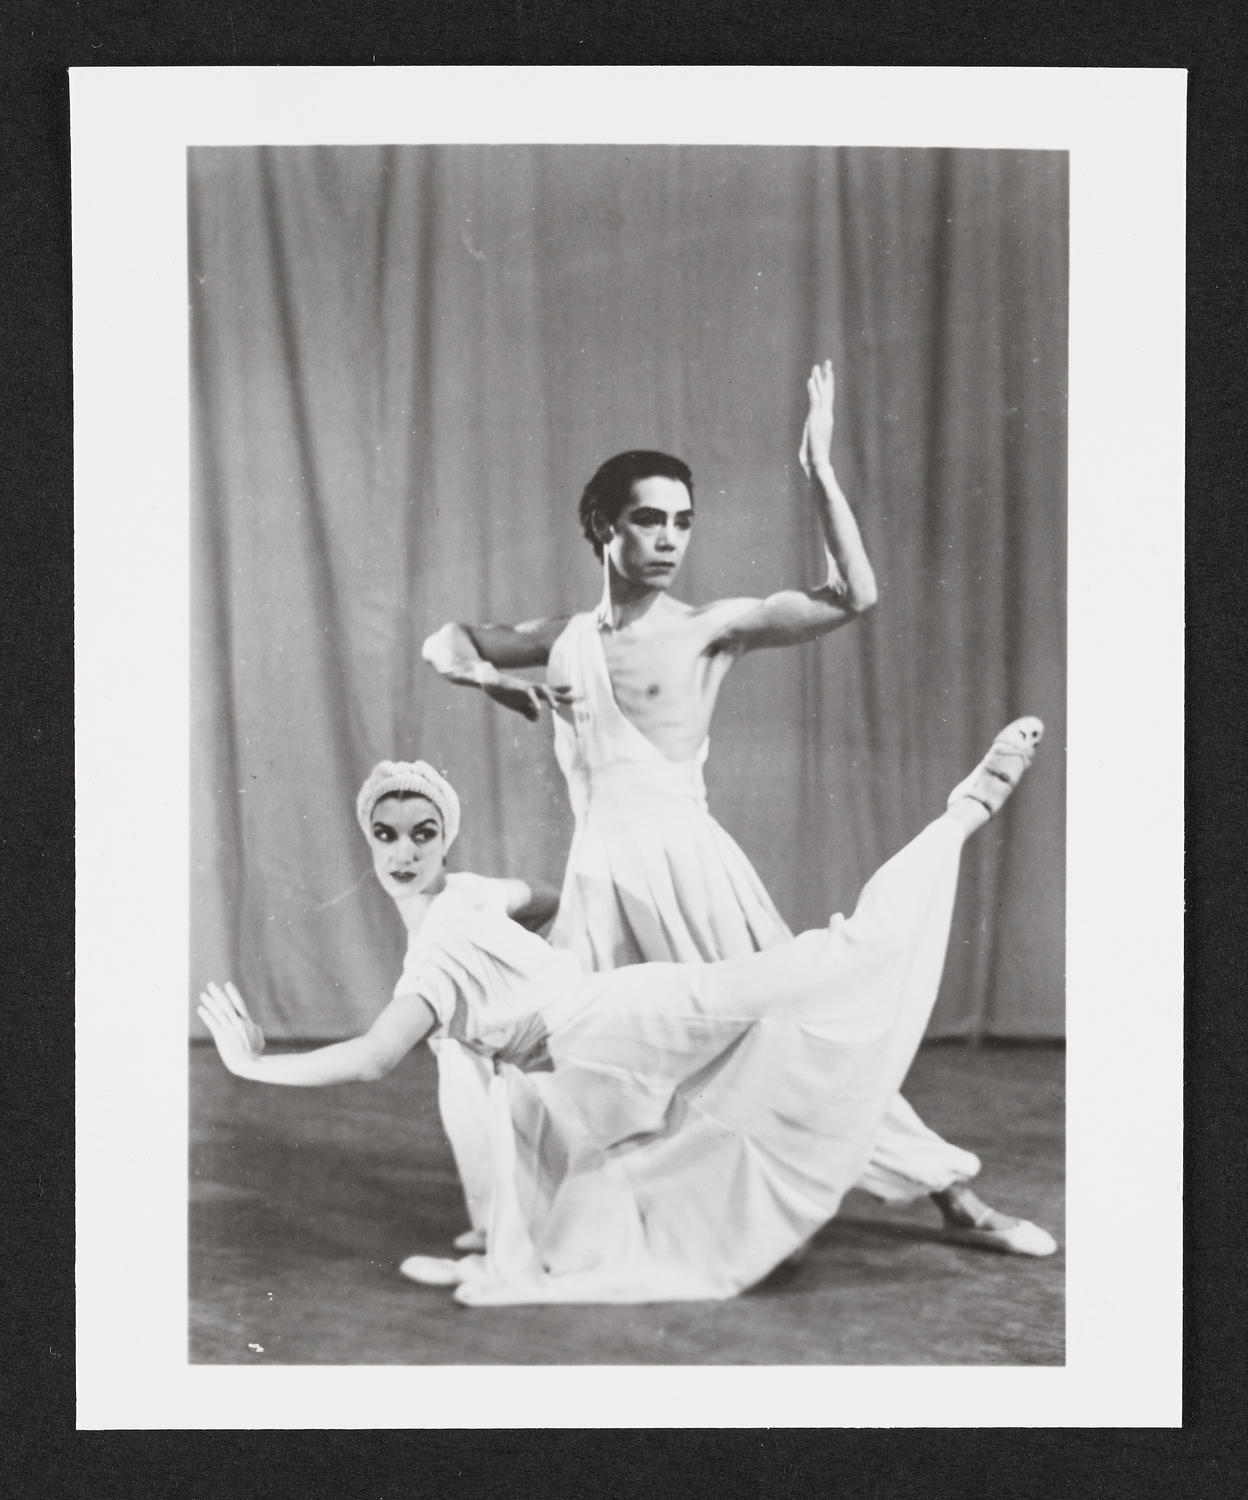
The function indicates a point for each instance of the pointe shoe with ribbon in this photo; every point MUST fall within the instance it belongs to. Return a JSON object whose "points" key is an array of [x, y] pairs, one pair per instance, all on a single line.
{"points": [[995, 777]]}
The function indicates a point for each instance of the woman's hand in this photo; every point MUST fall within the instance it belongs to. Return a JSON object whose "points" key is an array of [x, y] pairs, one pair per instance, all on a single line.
{"points": [[239, 1040]]}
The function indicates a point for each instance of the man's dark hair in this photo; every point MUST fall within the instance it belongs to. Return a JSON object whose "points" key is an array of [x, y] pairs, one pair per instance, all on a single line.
{"points": [[611, 488]]}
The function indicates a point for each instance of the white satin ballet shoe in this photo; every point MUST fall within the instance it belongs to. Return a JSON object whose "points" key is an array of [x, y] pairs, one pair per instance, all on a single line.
{"points": [[472, 1241], [431, 1270], [1021, 1238], [1000, 771]]}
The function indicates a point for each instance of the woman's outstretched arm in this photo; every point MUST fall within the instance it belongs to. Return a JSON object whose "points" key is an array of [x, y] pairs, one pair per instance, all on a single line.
{"points": [[407, 1019]]}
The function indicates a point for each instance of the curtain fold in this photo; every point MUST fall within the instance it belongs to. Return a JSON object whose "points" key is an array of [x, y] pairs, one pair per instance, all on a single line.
{"points": [[407, 361]]}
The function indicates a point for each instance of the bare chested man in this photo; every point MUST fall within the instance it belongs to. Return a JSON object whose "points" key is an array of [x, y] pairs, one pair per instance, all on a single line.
{"points": [[633, 684]]}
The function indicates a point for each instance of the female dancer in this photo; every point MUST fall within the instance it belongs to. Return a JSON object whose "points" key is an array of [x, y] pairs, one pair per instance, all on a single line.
{"points": [[661, 1131]]}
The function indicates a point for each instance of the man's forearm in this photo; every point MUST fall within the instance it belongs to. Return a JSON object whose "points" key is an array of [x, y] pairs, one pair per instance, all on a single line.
{"points": [[849, 569], [451, 652]]}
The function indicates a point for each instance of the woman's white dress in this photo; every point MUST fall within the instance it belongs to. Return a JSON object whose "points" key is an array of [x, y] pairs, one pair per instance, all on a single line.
{"points": [[674, 1131]]}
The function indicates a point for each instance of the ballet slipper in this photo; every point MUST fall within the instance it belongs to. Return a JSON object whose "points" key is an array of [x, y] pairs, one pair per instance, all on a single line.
{"points": [[432, 1270], [1021, 1238], [1000, 771], [472, 1241]]}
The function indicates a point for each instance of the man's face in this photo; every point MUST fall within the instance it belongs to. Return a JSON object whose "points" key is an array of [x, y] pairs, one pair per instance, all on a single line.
{"points": [[647, 540]]}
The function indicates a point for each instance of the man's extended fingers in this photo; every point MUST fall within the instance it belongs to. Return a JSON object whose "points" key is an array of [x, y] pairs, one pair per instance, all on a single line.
{"points": [[819, 388]]}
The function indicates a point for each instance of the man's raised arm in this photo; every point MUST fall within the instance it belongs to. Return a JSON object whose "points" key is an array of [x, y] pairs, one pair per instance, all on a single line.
{"points": [[472, 654], [795, 615]]}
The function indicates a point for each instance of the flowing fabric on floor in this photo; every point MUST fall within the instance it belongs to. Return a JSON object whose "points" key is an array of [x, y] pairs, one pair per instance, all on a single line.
{"points": [[674, 1131]]}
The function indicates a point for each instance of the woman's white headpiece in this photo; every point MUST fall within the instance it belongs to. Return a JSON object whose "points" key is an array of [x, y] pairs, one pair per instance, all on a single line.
{"points": [[409, 776]]}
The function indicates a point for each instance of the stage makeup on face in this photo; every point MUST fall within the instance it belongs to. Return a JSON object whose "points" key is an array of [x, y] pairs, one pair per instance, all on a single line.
{"points": [[407, 843], [649, 537]]}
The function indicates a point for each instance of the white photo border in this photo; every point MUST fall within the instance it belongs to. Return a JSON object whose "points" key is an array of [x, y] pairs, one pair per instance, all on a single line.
{"points": [[1124, 129]]}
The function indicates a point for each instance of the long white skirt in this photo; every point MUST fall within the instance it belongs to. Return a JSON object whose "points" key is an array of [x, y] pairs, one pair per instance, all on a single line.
{"points": [[701, 1122], [655, 878]]}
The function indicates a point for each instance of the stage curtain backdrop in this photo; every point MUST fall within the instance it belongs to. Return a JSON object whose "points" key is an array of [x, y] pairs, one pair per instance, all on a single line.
{"points": [[406, 362]]}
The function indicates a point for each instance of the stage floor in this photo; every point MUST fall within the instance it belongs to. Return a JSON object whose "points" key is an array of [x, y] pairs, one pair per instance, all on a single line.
{"points": [[303, 1202]]}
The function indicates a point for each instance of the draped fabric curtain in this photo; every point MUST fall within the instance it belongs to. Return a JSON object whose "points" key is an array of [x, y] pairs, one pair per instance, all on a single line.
{"points": [[407, 361]]}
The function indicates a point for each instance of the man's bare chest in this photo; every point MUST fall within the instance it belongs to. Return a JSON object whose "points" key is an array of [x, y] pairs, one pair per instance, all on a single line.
{"points": [[661, 677]]}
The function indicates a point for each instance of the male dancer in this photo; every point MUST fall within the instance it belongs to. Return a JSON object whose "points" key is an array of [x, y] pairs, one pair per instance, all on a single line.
{"points": [[651, 876]]}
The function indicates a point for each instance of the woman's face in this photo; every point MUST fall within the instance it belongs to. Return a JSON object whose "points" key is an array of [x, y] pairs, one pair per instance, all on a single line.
{"points": [[409, 848]]}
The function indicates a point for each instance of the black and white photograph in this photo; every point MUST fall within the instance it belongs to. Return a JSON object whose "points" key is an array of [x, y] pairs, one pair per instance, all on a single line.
{"points": [[630, 907], [411, 368]]}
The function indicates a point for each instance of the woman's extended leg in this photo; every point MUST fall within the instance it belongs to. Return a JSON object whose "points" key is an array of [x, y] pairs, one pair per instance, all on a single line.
{"points": [[863, 988], [968, 1220], [893, 945]]}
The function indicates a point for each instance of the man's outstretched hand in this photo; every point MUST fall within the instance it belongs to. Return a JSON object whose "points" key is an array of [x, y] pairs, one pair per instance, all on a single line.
{"points": [[527, 698], [816, 446]]}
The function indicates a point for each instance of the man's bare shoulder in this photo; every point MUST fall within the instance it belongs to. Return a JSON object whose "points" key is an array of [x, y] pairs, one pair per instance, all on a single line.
{"points": [[676, 615], [716, 619], [724, 609]]}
